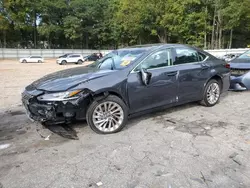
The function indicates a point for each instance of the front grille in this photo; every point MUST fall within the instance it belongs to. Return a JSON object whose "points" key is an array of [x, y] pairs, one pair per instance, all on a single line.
{"points": [[239, 72]]}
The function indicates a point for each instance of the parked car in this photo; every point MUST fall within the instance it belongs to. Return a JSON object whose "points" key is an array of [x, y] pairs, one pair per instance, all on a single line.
{"points": [[91, 57], [32, 59], [127, 82], [240, 72], [70, 58]]}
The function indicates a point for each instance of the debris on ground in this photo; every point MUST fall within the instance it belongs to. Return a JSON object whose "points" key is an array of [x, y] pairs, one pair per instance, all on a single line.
{"points": [[233, 155], [4, 146], [47, 138], [236, 160], [99, 183]]}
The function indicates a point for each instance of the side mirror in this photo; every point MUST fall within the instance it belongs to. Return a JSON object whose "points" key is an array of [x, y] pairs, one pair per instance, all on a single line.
{"points": [[145, 76]]}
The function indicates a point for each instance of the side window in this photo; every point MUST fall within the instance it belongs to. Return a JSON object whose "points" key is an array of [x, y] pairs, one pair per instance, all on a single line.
{"points": [[158, 59], [75, 56], [185, 55], [202, 56]]}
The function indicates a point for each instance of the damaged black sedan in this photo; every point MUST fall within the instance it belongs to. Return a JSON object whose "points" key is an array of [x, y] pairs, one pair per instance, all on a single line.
{"points": [[126, 82]]}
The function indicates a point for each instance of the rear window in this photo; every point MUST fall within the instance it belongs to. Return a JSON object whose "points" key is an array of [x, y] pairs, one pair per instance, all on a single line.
{"points": [[246, 55]]}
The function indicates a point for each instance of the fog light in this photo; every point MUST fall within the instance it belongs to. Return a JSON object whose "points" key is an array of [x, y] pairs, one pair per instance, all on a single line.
{"points": [[69, 114]]}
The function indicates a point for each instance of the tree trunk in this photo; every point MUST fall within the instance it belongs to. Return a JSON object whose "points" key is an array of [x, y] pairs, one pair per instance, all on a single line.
{"points": [[220, 30], [216, 35], [231, 38], [140, 39], [87, 41], [162, 35], [35, 31], [205, 34], [213, 30]]}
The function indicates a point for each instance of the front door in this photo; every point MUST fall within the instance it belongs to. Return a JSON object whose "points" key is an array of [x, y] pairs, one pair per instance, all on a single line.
{"points": [[194, 71], [162, 87]]}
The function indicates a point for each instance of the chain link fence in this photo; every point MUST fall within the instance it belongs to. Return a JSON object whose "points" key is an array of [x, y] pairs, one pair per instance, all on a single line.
{"points": [[12, 53]]}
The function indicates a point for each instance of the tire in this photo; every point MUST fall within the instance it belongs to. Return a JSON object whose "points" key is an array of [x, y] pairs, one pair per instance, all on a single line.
{"points": [[39, 61], [117, 122], [207, 101], [24, 61], [63, 62], [79, 61]]}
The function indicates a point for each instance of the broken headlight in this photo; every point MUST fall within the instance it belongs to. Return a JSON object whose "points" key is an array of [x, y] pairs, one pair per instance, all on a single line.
{"points": [[60, 96]]}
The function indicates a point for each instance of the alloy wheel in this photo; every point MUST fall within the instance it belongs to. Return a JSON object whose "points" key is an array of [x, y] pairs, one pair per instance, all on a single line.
{"points": [[108, 116], [213, 93]]}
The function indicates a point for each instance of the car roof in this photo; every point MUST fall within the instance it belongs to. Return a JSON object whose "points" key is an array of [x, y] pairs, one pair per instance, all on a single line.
{"points": [[156, 45], [71, 54], [163, 45]]}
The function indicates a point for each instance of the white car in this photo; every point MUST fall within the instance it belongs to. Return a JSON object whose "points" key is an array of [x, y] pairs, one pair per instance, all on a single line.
{"points": [[70, 58], [32, 59]]}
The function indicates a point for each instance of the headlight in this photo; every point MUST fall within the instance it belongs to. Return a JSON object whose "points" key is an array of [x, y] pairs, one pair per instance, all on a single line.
{"points": [[62, 96]]}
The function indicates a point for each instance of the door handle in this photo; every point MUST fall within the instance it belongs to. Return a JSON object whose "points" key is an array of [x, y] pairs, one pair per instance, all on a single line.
{"points": [[171, 73], [204, 66]]}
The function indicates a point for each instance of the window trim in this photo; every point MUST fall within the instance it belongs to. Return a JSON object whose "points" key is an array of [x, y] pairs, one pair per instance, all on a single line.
{"points": [[133, 70]]}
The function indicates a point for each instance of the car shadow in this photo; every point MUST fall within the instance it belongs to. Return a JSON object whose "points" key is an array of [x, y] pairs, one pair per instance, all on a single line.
{"points": [[68, 130]]}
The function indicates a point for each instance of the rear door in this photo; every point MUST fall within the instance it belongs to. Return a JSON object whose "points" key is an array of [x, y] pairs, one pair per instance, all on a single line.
{"points": [[76, 58], [193, 73], [162, 87]]}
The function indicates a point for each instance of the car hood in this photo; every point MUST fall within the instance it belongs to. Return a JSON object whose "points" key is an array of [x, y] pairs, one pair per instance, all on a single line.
{"points": [[240, 63], [66, 79]]}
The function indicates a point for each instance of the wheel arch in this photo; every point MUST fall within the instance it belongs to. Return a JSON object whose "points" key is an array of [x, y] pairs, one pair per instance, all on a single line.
{"points": [[216, 77], [103, 94]]}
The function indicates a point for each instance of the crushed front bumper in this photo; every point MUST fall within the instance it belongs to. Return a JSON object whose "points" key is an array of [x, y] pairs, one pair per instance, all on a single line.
{"points": [[54, 112], [240, 82]]}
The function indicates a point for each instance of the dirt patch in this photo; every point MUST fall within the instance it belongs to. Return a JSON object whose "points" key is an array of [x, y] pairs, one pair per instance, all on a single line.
{"points": [[201, 127]]}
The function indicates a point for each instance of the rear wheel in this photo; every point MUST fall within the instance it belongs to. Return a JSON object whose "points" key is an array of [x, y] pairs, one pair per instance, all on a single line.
{"points": [[108, 115], [79, 61], [212, 93], [39, 61]]}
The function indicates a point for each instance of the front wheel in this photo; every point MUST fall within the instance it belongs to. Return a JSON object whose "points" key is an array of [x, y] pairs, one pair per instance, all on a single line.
{"points": [[24, 61], [39, 61], [63, 62], [212, 93], [108, 115]]}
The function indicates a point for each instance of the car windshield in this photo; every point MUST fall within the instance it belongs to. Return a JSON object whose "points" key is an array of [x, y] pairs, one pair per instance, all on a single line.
{"points": [[246, 55], [118, 59]]}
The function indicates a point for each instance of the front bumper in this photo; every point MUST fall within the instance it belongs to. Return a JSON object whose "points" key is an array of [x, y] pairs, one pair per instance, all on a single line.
{"points": [[240, 83], [54, 112]]}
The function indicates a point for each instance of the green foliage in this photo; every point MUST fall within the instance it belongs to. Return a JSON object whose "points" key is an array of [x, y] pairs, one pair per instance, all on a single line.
{"points": [[116, 23]]}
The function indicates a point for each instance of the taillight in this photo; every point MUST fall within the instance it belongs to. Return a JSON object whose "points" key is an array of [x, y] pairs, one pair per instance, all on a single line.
{"points": [[227, 65]]}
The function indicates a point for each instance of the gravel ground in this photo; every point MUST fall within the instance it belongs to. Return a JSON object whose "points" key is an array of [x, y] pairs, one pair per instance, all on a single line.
{"points": [[186, 146]]}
